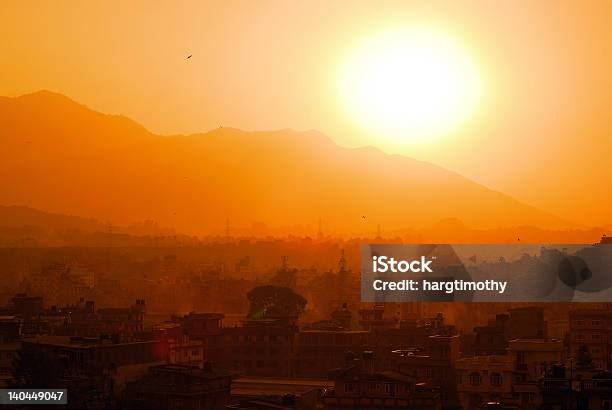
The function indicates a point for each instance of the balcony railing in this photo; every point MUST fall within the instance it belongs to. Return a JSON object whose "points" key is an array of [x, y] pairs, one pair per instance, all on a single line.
{"points": [[597, 385]]}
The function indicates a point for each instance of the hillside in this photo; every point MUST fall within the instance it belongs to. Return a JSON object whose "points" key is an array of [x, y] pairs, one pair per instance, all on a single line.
{"points": [[63, 157]]}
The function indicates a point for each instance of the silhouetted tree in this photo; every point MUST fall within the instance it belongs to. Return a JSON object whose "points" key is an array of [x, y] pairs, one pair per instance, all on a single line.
{"points": [[270, 301]]}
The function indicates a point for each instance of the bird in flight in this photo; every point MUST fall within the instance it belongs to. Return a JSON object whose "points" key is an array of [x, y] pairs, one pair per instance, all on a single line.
{"points": [[189, 56]]}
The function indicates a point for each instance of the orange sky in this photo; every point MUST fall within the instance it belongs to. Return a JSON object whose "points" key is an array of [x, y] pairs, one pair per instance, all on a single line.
{"points": [[542, 134]]}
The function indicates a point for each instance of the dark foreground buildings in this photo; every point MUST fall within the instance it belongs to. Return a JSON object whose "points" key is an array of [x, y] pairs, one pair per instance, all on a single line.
{"points": [[367, 359]]}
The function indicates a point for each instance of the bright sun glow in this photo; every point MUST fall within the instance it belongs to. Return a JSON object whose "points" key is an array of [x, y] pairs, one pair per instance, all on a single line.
{"points": [[408, 84]]}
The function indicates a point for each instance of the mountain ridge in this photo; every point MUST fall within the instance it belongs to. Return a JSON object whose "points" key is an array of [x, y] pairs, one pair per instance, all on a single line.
{"points": [[76, 160]]}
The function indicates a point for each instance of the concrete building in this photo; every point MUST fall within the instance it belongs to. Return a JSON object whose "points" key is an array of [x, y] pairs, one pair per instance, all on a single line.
{"points": [[485, 379], [592, 328], [260, 347], [358, 386], [531, 359], [318, 351], [262, 393], [173, 386], [434, 365]]}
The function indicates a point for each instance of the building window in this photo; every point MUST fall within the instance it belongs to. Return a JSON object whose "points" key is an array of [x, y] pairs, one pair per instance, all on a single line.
{"points": [[348, 387], [475, 379], [496, 379], [528, 398]]}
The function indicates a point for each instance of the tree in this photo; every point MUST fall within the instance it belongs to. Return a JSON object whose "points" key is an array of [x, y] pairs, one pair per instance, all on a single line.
{"points": [[275, 302]]}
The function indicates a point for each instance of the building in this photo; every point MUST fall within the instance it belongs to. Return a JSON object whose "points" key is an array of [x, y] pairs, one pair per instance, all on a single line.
{"points": [[433, 365], [592, 328], [342, 317], [97, 358], [206, 328], [531, 359], [260, 347], [178, 346], [257, 393], [10, 328], [527, 323], [521, 323], [491, 339], [358, 386], [485, 379], [25, 306], [569, 389], [8, 355], [319, 351], [173, 386], [373, 319]]}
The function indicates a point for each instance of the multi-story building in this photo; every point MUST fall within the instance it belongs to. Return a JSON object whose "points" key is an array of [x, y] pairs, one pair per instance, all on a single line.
{"points": [[491, 339], [173, 386], [521, 323], [77, 357], [318, 351], [26, 307], [531, 359], [260, 347], [178, 346], [373, 319], [207, 328], [126, 322], [527, 323], [358, 386], [570, 389], [8, 356], [592, 328], [434, 365], [485, 379], [10, 328], [269, 393]]}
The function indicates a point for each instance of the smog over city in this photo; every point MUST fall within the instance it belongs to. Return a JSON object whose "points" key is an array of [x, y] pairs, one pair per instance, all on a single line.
{"points": [[305, 205]]}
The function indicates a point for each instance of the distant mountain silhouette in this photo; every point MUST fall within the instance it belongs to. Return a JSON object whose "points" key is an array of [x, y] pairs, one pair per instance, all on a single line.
{"points": [[25, 217], [63, 157], [19, 216]]}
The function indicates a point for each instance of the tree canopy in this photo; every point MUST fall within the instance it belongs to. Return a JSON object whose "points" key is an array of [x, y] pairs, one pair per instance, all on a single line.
{"points": [[271, 302]]}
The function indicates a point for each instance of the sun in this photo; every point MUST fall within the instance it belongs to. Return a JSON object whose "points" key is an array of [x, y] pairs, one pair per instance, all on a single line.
{"points": [[408, 84]]}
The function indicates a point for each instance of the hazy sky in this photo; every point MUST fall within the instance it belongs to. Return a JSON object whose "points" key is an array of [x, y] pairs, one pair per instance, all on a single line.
{"points": [[541, 132]]}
